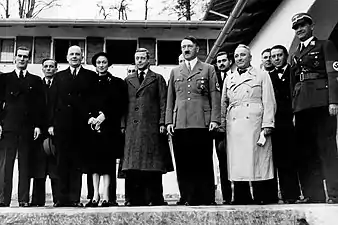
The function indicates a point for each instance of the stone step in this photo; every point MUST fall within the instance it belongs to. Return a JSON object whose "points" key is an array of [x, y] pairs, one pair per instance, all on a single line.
{"points": [[312, 214]]}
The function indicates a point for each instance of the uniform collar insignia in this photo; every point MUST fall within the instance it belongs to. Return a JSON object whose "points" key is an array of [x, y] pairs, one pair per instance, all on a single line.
{"points": [[312, 43]]}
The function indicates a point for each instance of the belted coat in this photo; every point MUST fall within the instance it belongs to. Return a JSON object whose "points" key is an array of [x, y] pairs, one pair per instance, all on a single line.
{"points": [[193, 97], [145, 148], [320, 59], [248, 105]]}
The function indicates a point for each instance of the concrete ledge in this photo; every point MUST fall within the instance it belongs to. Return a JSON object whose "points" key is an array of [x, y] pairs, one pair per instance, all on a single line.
{"points": [[319, 214]]}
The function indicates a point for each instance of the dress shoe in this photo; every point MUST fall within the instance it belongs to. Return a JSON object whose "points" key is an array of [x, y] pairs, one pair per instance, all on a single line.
{"points": [[37, 205], [92, 203], [332, 201], [113, 203], [226, 203], [180, 202], [61, 204], [24, 204], [105, 203], [127, 203], [158, 203], [3, 204], [76, 204]]}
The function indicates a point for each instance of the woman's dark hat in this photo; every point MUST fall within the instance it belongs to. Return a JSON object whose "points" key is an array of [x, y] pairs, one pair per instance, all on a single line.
{"points": [[97, 55]]}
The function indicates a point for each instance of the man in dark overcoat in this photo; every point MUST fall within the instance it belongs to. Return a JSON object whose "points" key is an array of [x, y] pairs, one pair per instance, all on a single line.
{"points": [[193, 110], [223, 65], [146, 146], [283, 136], [43, 162], [21, 101], [314, 86], [69, 125]]}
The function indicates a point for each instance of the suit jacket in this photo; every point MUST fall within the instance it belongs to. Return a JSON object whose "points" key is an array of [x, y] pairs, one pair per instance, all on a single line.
{"points": [[41, 164], [71, 102], [219, 79], [193, 98], [21, 102], [321, 57], [281, 86]]}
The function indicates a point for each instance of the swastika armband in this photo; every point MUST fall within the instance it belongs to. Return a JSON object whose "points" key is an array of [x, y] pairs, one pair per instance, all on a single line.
{"points": [[331, 66]]}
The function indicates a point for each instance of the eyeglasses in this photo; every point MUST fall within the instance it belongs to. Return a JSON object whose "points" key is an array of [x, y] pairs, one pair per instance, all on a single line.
{"points": [[131, 71]]}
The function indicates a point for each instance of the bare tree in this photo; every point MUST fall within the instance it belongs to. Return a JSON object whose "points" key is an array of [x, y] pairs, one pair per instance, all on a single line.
{"points": [[121, 6], [103, 10], [32, 8], [146, 9], [184, 9], [5, 6]]}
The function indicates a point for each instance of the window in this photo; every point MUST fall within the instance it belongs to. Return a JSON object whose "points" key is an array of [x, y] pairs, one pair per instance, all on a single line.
{"points": [[61, 48], [41, 49], [6, 50], [168, 52], [121, 51]]}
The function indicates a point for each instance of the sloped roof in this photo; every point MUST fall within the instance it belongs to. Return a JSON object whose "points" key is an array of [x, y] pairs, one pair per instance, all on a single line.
{"points": [[248, 24]]}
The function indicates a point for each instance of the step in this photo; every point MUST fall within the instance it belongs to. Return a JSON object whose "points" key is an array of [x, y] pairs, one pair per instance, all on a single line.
{"points": [[312, 214]]}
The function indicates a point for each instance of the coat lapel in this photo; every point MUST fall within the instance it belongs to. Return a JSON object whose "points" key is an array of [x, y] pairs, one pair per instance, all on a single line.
{"points": [[244, 77], [196, 70], [308, 48], [133, 80], [184, 70], [149, 78]]}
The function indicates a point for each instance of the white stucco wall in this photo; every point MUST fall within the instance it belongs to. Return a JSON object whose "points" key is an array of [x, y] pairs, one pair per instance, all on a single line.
{"points": [[278, 29]]}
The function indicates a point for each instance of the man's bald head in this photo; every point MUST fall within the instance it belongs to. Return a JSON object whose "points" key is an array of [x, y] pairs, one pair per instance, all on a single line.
{"points": [[74, 56]]}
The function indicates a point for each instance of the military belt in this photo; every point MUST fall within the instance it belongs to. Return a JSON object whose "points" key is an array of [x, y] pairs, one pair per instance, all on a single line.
{"points": [[311, 76]]}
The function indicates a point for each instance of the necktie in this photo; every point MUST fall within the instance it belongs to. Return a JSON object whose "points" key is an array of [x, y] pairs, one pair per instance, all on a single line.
{"points": [[74, 73], [21, 75], [241, 71], [189, 66], [48, 82], [141, 77], [301, 48]]}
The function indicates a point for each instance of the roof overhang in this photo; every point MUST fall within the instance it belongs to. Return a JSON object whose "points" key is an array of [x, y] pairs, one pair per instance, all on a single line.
{"points": [[110, 23], [254, 15]]}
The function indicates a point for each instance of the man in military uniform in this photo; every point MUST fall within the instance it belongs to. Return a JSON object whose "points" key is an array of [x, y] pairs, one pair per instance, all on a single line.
{"points": [[193, 110], [283, 144], [314, 82]]}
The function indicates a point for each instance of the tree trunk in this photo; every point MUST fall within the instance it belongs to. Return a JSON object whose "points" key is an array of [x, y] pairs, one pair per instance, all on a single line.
{"points": [[188, 9], [146, 10]]}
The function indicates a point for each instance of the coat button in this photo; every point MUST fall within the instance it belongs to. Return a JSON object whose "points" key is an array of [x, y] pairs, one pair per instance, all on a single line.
{"points": [[189, 80], [189, 85], [69, 94], [188, 99], [136, 108], [135, 121], [68, 106], [247, 105], [189, 92]]}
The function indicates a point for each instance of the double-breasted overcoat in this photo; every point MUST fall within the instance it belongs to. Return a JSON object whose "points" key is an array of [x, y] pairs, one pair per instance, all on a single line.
{"points": [[145, 148], [248, 106]]}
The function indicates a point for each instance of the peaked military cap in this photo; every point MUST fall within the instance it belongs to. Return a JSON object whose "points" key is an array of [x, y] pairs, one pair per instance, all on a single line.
{"points": [[300, 18]]}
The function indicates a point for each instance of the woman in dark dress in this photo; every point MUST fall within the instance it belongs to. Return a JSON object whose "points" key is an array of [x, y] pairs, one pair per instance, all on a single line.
{"points": [[108, 106]]}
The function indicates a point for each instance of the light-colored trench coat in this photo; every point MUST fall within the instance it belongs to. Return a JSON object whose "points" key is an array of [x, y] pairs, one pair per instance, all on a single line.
{"points": [[248, 105]]}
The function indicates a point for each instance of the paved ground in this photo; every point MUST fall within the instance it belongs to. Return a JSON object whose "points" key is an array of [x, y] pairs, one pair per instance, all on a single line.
{"points": [[312, 214]]}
